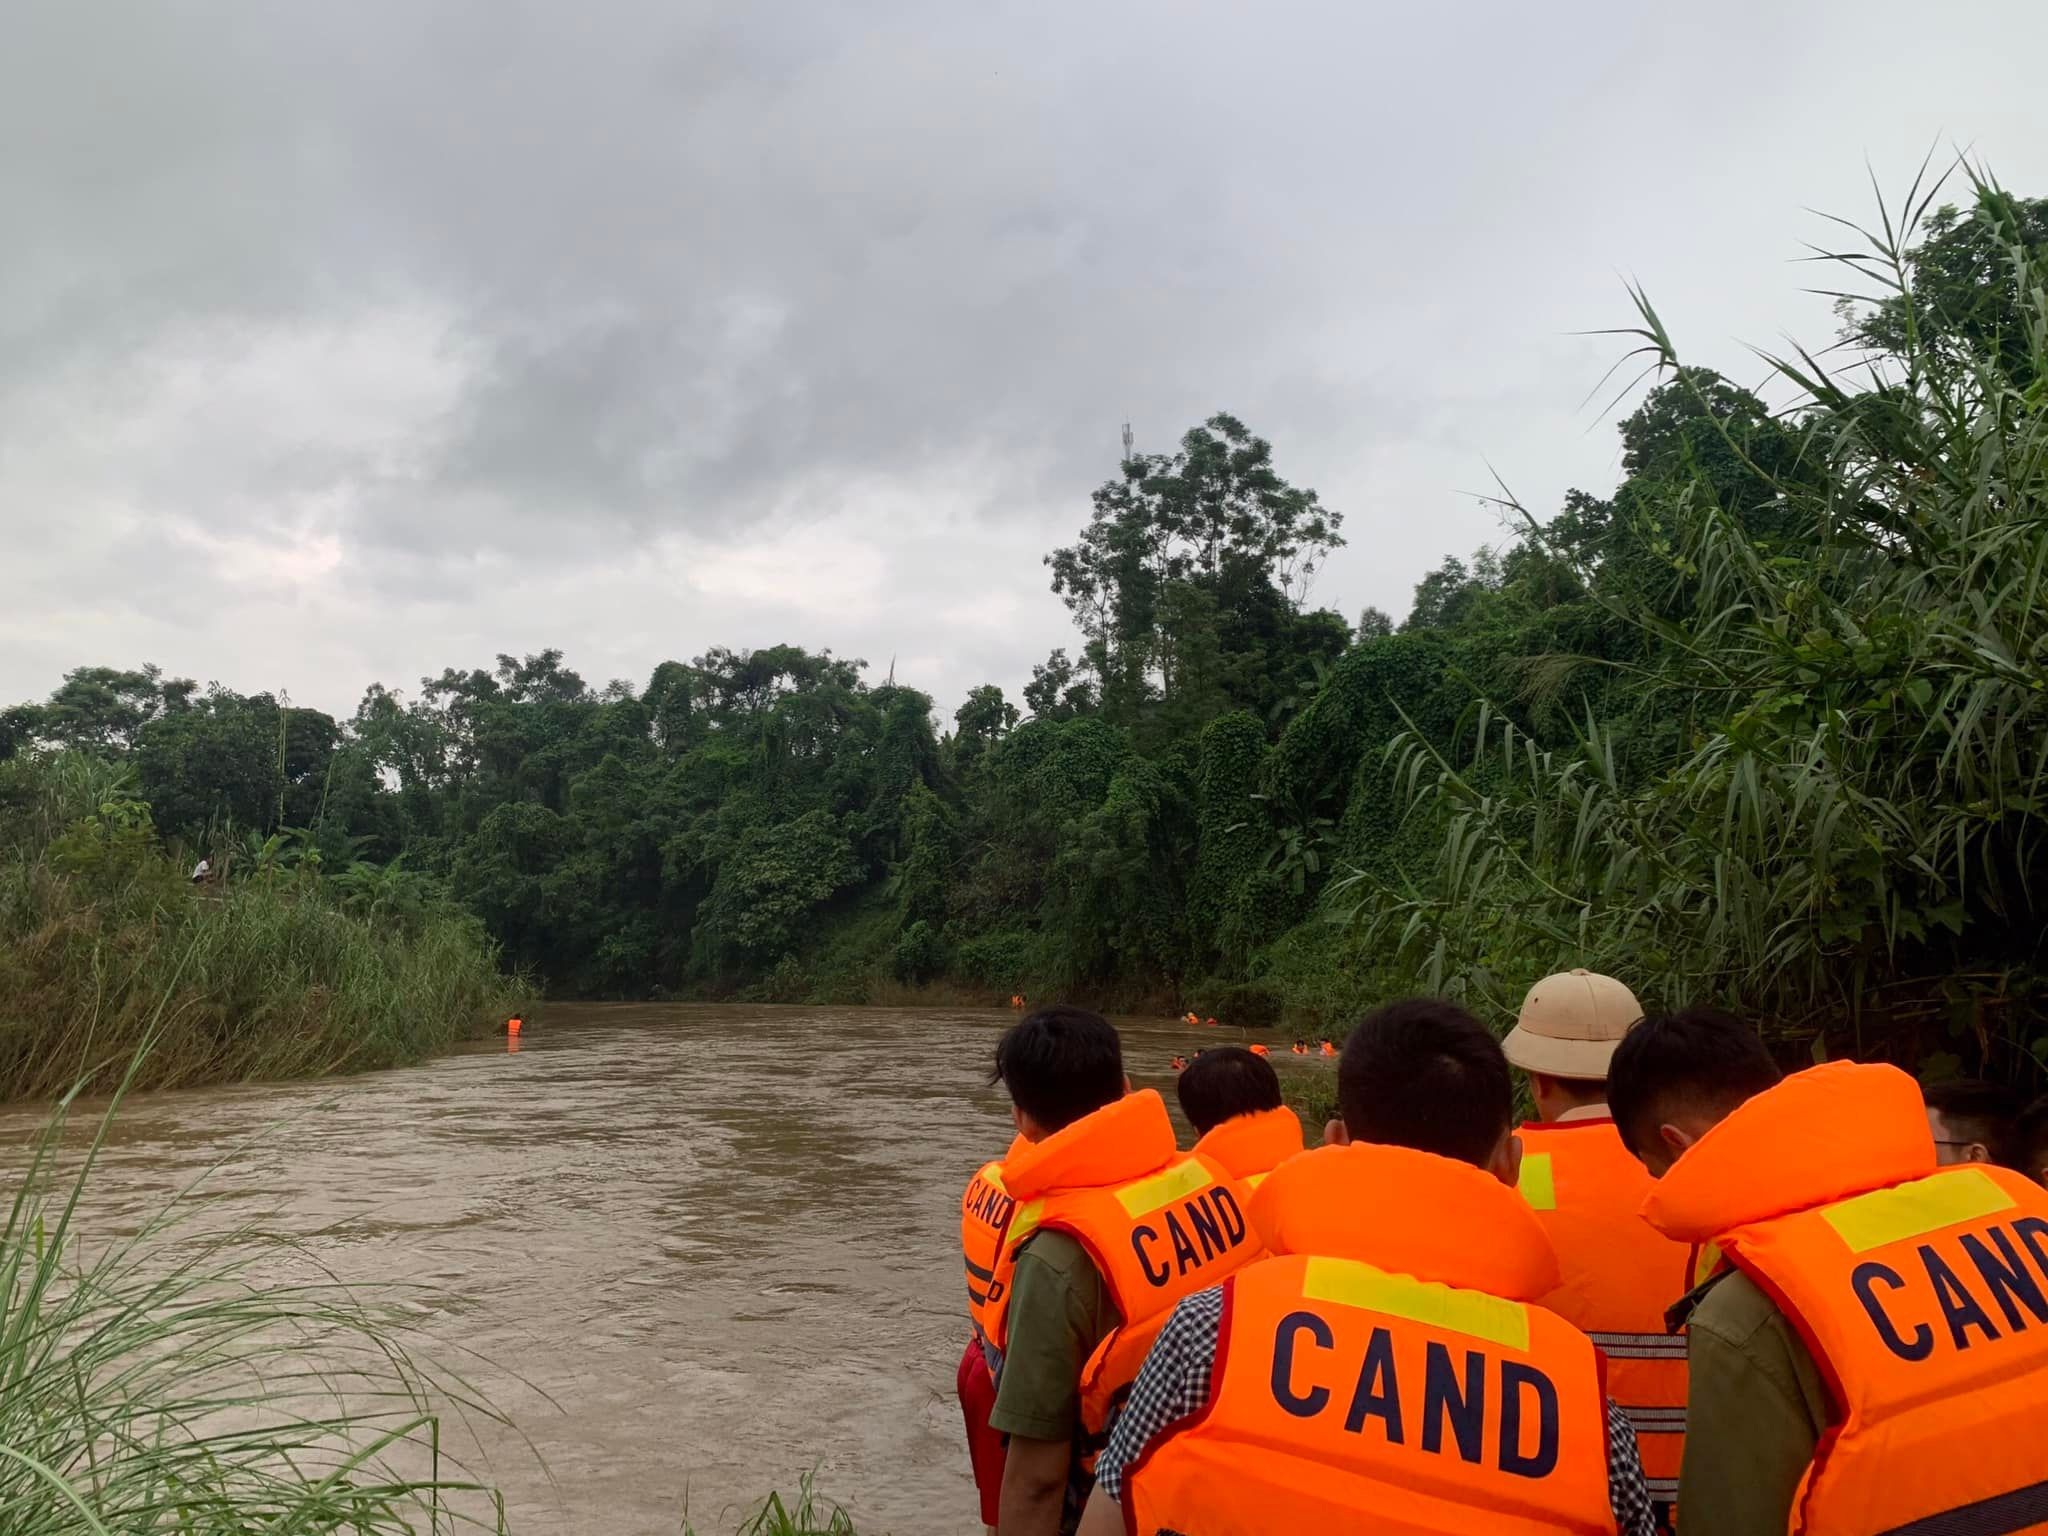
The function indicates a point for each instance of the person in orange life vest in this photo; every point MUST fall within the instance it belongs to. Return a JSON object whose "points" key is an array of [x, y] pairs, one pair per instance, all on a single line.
{"points": [[985, 1210], [1232, 1099], [1620, 1275], [1973, 1122], [1875, 1356], [1113, 1224], [1386, 1367]]}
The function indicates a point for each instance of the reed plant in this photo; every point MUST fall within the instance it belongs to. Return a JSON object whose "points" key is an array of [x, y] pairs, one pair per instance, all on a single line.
{"points": [[208, 1383], [808, 1514], [103, 941], [1838, 822]]}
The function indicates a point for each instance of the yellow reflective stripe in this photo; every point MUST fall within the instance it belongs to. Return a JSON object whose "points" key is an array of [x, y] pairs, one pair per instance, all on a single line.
{"points": [[1912, 1210], [1349, 1283], [1162, 1189], [1024, 1223], [1539, 1185], [993, 1174], [1254, 1180], [1705, 1263]]}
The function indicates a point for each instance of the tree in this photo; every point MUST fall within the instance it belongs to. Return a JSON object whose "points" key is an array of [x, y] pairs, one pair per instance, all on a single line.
{"points": [[1960, 295], [1214, 517], [100, 709], [980, 723]]}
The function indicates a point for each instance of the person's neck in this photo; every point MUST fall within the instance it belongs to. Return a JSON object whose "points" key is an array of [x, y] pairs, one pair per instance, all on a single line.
{"points": [[1591, 1109]]}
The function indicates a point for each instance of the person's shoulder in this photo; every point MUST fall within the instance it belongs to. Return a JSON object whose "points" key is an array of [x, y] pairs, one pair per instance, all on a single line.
{"points": [[1060, 1252], [1734, 1308]]}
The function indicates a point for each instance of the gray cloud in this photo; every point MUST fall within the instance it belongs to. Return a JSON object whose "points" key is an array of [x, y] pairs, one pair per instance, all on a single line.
{"points": [[344, 342]]}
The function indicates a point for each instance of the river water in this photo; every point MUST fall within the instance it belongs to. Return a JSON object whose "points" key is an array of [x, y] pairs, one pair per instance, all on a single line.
{"points": [[694, 1251]]}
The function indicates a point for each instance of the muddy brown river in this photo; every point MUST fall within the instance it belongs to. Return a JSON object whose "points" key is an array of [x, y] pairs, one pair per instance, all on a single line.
{"points": [[696, 1251]]}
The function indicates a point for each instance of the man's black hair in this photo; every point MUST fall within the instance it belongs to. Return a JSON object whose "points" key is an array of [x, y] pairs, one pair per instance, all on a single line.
{"points": [[1224, 1084], [1060, 1064], [1425, 1074], [1980, 1111], [1699, 1058]]}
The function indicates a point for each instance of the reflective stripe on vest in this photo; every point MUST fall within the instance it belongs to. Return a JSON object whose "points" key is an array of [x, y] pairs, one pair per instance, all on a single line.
{"points": [[1341, 1389], [1154, 1241], [985, 1212], [1619, 1275], [1925, 1305]]}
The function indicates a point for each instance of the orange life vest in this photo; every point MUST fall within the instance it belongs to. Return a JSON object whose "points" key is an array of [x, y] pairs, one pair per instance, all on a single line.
{"points": [[984, 1213], [1159, 1224], [1620, 1275], [1385, 1370], [1251, 1146], [1922, 1295]]}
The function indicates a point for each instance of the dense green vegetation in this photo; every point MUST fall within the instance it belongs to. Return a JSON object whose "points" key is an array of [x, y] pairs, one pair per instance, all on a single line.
{"points": [[161, 1382], [273, 970], [1765, 724]]}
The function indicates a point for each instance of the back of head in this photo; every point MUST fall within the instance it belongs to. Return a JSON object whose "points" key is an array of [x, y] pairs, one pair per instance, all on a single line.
{"points": [[1061, 1064], [1974, 1111], [2030, 1142], [1425, 1074], [1696, 1063], [1221, 1085]]}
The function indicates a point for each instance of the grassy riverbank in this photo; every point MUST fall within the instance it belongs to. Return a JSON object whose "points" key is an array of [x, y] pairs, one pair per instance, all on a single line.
{"points": [[280, 972], [216, 1383]]}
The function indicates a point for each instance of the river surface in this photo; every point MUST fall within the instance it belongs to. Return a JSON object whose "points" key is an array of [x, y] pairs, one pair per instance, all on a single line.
{"points": [[694, 1251]]}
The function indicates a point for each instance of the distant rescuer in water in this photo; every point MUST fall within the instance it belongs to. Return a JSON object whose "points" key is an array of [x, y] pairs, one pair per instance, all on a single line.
{"points": [[1113, 1224]]}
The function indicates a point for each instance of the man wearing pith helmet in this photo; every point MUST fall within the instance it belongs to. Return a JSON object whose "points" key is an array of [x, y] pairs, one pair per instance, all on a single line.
{"points": [[1586, 1190]]}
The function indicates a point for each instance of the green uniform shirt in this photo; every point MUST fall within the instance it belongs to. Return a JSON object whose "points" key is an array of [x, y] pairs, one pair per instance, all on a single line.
{"points": [[1059, 1312], [1755, 1410]]}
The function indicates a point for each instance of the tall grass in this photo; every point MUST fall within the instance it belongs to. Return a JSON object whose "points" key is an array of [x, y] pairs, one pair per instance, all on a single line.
{"points": [[104, 942], [808, 1514], [171, 1381], [1850, 826]]}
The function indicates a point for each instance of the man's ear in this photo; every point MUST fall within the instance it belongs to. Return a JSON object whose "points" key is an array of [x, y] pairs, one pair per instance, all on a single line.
{"points": [[1976, 1152], [1676, 1140], [1127, 1084], [1506, 1163], [1017, 1119], [1334, 1134]]}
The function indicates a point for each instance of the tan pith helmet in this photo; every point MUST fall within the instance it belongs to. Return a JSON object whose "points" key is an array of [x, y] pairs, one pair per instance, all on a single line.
{"points": [[1570, 1024]]}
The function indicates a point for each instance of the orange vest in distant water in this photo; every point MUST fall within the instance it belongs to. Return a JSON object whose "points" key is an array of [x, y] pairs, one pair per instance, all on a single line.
{"points": [[1159, 1224], [984, 1213], [1251, 1146], [1386, 1370], [1922, 1294], [1620, 1276]]}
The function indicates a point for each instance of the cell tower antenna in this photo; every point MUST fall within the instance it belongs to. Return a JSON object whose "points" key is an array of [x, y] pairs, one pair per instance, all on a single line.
{"points": [[1130, 443]]}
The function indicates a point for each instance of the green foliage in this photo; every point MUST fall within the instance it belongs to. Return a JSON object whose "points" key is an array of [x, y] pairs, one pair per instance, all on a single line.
{"points": [[1762, 723], [808, 1514], [770, 882], [1844, 830], [272, 972]]}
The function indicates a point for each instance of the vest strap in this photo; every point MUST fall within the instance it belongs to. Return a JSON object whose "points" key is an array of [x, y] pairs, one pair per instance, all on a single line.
{"points": [[2002, 1515], [1640, 1346]]}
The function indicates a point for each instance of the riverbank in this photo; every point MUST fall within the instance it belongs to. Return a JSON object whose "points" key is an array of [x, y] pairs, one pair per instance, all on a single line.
{"points": [[107, 946]]}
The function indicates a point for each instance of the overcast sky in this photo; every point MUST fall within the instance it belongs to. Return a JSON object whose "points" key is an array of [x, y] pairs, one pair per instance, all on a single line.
{"points": [[342, 343]]}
